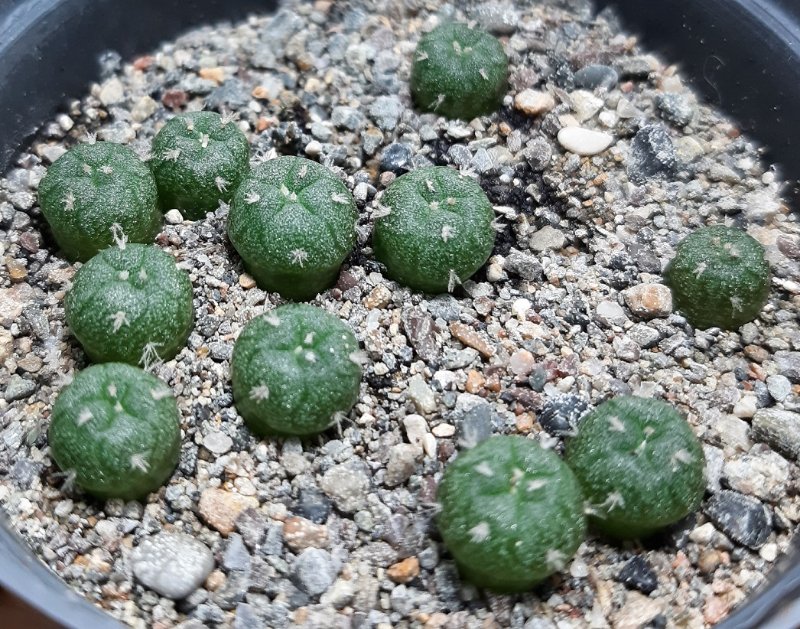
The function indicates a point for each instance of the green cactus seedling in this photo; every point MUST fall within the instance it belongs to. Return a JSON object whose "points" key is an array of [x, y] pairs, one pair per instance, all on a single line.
{"points": [[511, 513], [198, 159], [293, 223], [294, 370], [95, 191], [130, 304], [459, 72], [719, 277], [116, 430], [436, 229], [640, 466]]}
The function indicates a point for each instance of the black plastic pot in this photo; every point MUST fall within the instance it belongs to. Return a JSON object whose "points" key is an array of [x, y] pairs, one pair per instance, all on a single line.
{"points": [[742, 55]]}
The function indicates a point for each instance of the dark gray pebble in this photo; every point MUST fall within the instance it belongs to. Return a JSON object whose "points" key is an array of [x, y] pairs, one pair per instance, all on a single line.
{"points": [[652, 155], [742, 518], [596, 76], [396, 158], [475, 426], [313, 505], [561, 415], [638, 574]]}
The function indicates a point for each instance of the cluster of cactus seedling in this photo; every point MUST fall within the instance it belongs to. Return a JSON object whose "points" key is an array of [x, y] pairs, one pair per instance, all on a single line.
{"points": [[295, 370], [116, 431], [719, 277], [130, 304], [293, 223], [512, 513]]}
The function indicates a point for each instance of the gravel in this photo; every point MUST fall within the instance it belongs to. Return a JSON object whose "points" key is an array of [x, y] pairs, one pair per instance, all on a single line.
{"points": [[598, 163], [172, 564]]}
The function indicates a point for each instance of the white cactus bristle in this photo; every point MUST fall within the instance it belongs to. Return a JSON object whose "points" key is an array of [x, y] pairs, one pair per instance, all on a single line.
{"points": [[272, 319], [259, 393], [480, 532], [139, 462], [118, 319], [160, 394], [299, 256], [484, 469], [84, 417], [615, 424]]}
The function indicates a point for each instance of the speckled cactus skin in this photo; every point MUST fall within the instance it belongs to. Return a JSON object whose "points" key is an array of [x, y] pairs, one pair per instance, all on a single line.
{"points": [[131, 305], [640, 466], [91, 189], [511, 513], [294, 369], [459, 72], [293, 223], [438, 230], [198, 159], [719, 277], [116, 428]]}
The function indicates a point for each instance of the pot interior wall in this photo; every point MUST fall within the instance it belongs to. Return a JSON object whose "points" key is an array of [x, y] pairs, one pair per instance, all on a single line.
{"points": [[742, 55]]}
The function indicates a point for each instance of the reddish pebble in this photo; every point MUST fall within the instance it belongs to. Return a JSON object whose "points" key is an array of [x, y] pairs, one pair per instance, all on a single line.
{"points": [[174, 99]]}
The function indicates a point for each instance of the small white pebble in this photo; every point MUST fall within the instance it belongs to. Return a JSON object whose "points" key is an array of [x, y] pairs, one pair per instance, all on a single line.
{"points": [[584, 141], [174, 217]]}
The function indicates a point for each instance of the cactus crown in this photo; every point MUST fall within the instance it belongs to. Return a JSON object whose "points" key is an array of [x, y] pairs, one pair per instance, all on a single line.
{"points": [[130, 304], [293, 223], [93, 190], [438, 229], [459, 72], [719, 277], [511, 513], [198, 160], [115, 429], [640, 466], [294, 370]]}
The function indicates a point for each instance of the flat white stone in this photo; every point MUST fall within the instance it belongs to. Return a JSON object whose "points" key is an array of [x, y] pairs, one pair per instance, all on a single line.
{"points": [[584, 141], [172, 564]]}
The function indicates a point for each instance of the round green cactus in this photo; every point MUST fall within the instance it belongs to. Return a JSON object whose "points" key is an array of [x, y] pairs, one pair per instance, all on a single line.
{"points": [[719, 277], [640, 466], [198, 159], [436, 229], [96, 192], [511, 513], [459, 72], [293, 223], [131, 305], [116, 430], [294, 369]]}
